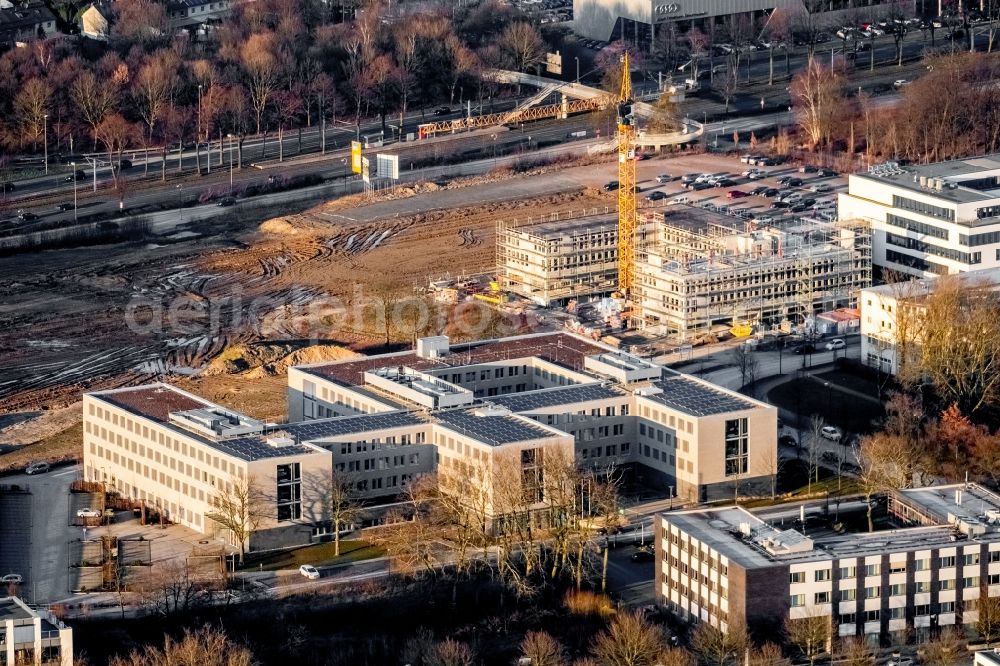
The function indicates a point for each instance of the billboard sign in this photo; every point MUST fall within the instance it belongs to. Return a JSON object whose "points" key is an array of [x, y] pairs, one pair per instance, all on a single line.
{"points": [[553, 63], [365, 173], [387, 166], [356, 156]]}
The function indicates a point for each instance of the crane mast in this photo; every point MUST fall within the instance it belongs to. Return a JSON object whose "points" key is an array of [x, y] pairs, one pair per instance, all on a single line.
{"points": [[626, 185]]}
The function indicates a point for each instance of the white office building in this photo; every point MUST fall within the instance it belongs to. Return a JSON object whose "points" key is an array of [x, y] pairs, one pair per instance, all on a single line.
{"points": [[927, 220], [32, 636]]}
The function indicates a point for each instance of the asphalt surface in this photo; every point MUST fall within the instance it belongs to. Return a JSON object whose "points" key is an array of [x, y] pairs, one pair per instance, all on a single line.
{"points": [[45, 561]]}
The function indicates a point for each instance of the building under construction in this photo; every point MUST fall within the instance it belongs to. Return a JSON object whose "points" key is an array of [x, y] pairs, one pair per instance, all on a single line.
{"points": [[695, 269]]}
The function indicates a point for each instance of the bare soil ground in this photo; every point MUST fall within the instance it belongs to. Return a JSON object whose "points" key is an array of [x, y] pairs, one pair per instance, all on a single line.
{"points": [[102, 317]]}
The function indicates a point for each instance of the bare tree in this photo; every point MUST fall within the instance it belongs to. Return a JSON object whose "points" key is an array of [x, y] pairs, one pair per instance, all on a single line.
{"points": [[988, 620], [717, 647], [745, 360], [175, 585], [810, 634], [239, 507], [768, 654], [116, 134], [260, 67], [542, 649], [522, 45], [451, 653], [814, 449], [886, 463], [31, 106], [342, 504], [206, 646], [675, 656], [94, 98], [855, 651], [817, 100], [628, 641], [151, 91], [948, 649]]}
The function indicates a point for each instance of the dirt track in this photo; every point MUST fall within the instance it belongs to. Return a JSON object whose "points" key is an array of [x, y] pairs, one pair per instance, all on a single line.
{"points": [[108, 316]]}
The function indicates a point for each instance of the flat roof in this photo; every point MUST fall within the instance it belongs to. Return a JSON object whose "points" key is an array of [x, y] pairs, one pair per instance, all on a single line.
{"points": [[572, 226], [952, 171], [492, 425], [561, 348], [348, 425], [922, 286], [12, 609], [690, 396], [556, 396], [156, 401], [742, 536]]}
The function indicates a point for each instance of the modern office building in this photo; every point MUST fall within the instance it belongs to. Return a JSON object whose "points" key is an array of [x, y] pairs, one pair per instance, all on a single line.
{"points": [[479, 409], [677, 432], [880, 309], [29, 636], [639, 21], [727, 565], [932, 219]]}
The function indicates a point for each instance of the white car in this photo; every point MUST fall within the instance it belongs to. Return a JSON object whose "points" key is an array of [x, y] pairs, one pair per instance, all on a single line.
{"points": [[663, 178], [11, 579], [837, 343], [309, 571], [791, 198], [831, 433], [899, 83], [88, 513], [682, 199], [820, 188], [757, 175], [705, 177]]}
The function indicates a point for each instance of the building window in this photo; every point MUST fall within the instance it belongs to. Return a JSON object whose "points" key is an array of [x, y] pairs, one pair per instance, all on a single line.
{"points": [[872, 616], [971, 558], [971, 581], [873, 569], [917, 227], [847, 572], [873, 592], [897, 567], [946, 584], [821, 574], [821, 598], [848, 595], [897, 613], [848, 618], [947, 607], [289, 492], [921, 564], [897, 590], [797, 577], [736, 447], [922, 587], [797, 600], [948, 561], [923, 208], [532, 478], [922, 609]]}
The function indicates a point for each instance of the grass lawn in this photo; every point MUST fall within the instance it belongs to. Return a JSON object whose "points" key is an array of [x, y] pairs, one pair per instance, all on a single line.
{"points": [[62, 446], [320, 554], [806, 396]]}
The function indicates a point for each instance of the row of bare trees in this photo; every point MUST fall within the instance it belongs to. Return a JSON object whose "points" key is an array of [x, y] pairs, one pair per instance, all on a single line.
{"points": [[271, 66], [950, 112]]}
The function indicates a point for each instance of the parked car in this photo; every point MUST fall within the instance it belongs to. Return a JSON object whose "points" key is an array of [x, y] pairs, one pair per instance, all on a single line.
{"points": [[611, 186], [808, 169], [794, 182], [820, 188], [759, 190], [771, 192], [664, 178], [309, 571], [704, 185], [782, 180], [757, 175], [725, 182], [791, 198], [656, 196], [780, 204], [689, 178], [831, 433], [682, 199], [37, 468], [643, 555], [25, 216], [826, 173], [787, 440], [830, 456], [11, 579], [735, 194], [88, 513], [642, 157], [836, 343]]}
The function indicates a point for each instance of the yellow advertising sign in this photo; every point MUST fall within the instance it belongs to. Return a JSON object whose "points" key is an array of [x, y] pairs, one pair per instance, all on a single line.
{"points": [[356, 156]]}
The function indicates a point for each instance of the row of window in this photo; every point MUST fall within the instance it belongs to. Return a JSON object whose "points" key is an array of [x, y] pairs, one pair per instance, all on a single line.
{"points": [[875, 569], [922, 610], [383, 463], [916, 227], [916, 263], [937, 250], [609, 451], [378, 444], [923, 208]]}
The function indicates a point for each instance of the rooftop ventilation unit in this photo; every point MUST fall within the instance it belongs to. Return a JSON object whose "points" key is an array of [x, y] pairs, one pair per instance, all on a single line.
{"points": [[433, 347], [280, 441], [491, 410]]}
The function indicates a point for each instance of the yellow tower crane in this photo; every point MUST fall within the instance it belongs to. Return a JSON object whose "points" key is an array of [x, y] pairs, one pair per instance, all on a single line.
{"points": [[626, 185]]}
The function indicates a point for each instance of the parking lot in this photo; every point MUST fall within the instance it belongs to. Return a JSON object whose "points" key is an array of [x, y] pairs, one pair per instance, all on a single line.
{"points": [[766, 194]]}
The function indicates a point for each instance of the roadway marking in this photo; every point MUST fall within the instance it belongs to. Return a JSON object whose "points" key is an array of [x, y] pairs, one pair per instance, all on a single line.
{"points": [[69, 471]]}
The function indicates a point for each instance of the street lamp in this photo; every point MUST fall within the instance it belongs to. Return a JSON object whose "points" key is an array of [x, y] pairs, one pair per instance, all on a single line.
{"points": [[577, 69], [197, 138], [46, 140], [230, 137], [73, 166], [180, 201]]}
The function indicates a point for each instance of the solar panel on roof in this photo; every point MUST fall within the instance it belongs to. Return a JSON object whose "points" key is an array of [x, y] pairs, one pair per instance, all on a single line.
{"points": [[563, 395], [500, 429], [694, 398]]}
